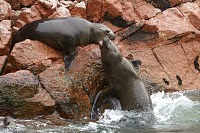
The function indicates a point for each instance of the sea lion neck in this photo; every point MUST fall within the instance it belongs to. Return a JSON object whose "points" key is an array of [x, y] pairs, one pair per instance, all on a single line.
{"points": [[93, 39], [110, 63]]}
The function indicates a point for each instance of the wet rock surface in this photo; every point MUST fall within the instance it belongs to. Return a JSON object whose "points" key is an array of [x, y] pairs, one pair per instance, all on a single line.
{"points": [[163, 34]]}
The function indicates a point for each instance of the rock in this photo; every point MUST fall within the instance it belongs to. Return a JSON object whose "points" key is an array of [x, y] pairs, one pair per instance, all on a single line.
{"points": [[27, 2], [161, 4], [144, 10], [26, 16], [45, 7], [60, 12], [120, 8], [178, 2], [79, 10], [68, 4], [32, 55], [2, 63], [14, 4], [5, 10], [191, 10], [117, 9], [177, 67], [75, 89], [169, 23], [22, 96], [94, 8], [5, 37]]}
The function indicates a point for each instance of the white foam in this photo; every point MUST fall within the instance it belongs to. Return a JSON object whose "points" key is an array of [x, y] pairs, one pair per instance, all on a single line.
{"points": [[166, 104], [110, 116]]}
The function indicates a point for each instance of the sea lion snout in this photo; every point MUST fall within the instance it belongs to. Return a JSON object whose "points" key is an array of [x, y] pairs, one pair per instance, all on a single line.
{"points": [[111, 36], [105, 42]]}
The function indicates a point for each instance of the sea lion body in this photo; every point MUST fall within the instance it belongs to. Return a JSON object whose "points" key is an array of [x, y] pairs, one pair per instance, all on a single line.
{"points": [[124, 82], [64, 34]]}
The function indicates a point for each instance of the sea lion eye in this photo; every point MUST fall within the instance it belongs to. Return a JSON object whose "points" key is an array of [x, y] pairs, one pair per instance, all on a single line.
{"points": [[107, 31]]}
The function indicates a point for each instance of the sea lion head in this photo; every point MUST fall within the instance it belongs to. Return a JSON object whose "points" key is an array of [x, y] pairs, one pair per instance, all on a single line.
{"points": [[109, 52], [100, 31]]}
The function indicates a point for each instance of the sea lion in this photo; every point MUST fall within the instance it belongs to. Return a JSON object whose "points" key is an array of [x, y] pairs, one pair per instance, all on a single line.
{"points": [[64, 34], [8, 121], [124, 82]]}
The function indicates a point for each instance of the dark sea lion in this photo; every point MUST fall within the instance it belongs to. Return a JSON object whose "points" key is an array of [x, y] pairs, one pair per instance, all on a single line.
{"points": [[124, 82], [64, 34]]}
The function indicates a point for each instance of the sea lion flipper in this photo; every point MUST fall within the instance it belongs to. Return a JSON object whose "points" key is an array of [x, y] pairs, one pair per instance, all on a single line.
{"points": [[98, 99], [68, 59], [136, 63]]}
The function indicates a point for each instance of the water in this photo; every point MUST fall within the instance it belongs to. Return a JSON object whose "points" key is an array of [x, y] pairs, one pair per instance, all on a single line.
{"points": [[177, 112]]}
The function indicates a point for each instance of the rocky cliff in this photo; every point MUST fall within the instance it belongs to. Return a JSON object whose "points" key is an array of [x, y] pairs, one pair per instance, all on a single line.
{"points": [[163, 34]]}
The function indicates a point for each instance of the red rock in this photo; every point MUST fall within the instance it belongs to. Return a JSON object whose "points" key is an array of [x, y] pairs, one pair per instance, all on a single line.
{"points": [[5, 10], [23, 96], [26, 16], [68, 4], [32, 55], [191, 10], [178, 2], [45, 7], [5, 36], [170, 22], [94, 8], [176, 65], [2, 62], [120, 8], [79, 10], [14, 4], [131, 11], [73, 89], [60, 12], [144, 10], [27, 2]]}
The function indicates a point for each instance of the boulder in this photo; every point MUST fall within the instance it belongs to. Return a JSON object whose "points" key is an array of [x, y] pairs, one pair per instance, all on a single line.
{"points": [[191, 10], [23, 97], [27, 2], [179, 66], [27, 15], [170, 23], [32, 55], [5, 10], [74, 90], [5, 37], [144, 10], [60, 12], [68, 4], [79, 10], [15, 4], [120, 10], [45, 7], [178, 2]]}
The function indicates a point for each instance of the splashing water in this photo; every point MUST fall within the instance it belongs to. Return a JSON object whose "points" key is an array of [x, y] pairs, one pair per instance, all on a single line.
{"points": [[173, 112]]}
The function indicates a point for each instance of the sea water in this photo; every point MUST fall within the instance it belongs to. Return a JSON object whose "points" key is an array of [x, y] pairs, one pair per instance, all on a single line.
{"points": [[177, 112]]}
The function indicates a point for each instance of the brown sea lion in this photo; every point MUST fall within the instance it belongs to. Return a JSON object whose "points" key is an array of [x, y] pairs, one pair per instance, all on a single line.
{"points": [[64, 34], [124, 82]]}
